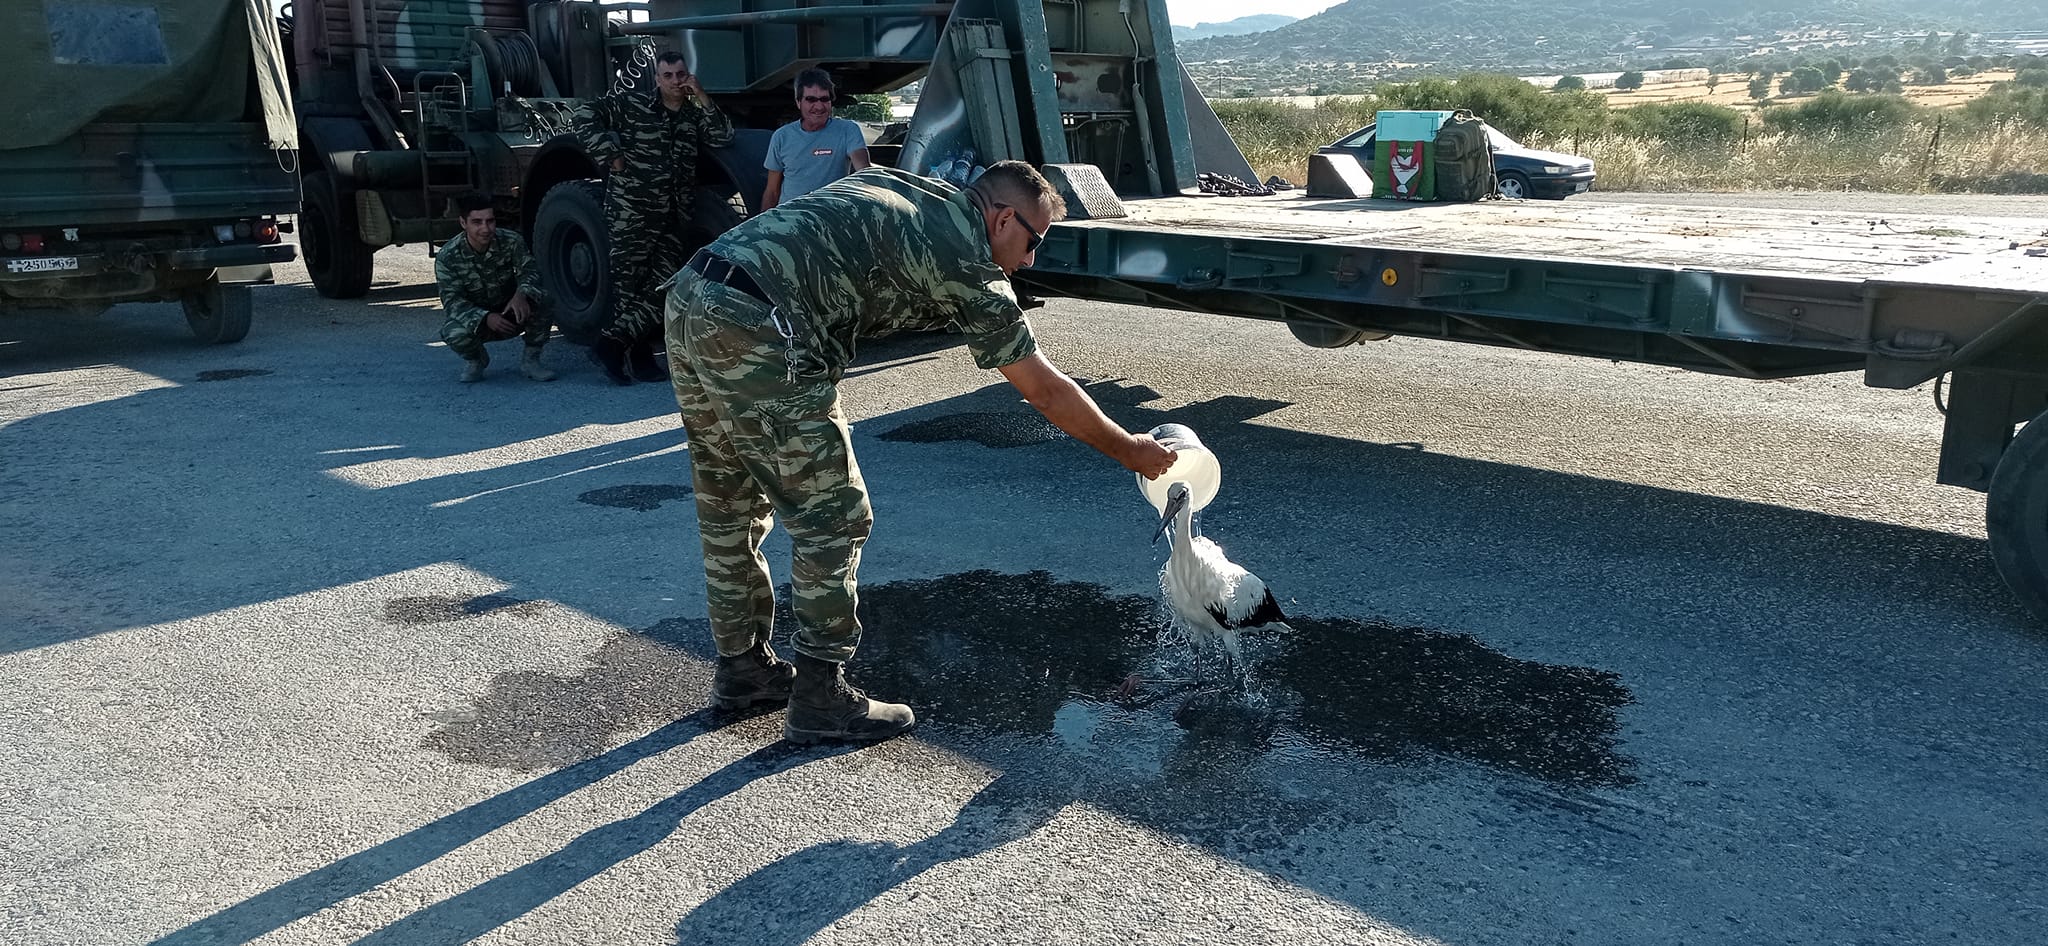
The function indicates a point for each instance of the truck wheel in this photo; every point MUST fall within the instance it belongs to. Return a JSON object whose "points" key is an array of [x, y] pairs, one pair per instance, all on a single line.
{"points": [[218, 314], [2016, 516], [336, 257], [571, 246], [713, 213]]}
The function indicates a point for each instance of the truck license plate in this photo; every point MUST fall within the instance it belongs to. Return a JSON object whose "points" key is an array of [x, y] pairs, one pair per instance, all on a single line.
{"points": [[43, 264]]}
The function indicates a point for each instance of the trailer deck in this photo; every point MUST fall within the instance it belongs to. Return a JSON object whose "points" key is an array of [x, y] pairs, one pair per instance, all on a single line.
{"points": [[1726, 239], [1751, 293]]}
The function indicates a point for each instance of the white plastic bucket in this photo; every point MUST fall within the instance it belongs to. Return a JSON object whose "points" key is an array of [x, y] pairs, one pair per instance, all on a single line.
{"points": [[1193, 465]]}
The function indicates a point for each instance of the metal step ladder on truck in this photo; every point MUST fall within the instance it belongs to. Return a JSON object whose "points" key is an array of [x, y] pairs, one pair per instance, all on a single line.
{"points": [[1093, 91], [148, 156]]}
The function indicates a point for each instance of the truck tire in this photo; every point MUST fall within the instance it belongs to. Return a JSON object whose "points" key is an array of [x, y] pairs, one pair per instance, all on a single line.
{"points": [[218, 314], [1321, 335], [337, 259], [2016, 516], [571, 246]]}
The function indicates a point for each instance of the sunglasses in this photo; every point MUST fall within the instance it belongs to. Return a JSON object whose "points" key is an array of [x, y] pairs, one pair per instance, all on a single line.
{"points": [[1036, 237], [818, 99]]}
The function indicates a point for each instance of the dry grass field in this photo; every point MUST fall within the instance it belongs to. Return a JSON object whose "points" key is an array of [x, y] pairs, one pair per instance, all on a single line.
{"points": [[1732, 90]]}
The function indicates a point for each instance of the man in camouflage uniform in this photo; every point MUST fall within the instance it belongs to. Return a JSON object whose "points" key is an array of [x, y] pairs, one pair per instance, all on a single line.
{"points": [[761, 326], [490, 288], [650, 142]]}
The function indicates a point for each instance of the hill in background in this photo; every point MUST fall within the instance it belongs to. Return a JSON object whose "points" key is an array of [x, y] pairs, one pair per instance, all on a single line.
{"points": [[1255, 23], [1363, 40]]}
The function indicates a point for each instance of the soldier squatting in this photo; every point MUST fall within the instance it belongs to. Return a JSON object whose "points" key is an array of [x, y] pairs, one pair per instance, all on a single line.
{"points": [[759, 328]]}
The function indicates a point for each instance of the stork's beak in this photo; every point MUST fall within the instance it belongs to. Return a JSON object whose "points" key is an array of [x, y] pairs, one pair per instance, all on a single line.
{"points": [[1175, 498]]}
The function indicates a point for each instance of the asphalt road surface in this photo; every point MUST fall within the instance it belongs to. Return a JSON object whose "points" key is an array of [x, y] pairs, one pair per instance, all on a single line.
{"points": [[303, 642]]}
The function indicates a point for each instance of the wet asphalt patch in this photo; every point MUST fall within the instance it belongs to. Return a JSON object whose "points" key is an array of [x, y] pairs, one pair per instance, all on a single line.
{"points": [[532, 720], [642, 497], [1034, 654], [998, 429], [230, 374], [1040, 658], [441, 609]]}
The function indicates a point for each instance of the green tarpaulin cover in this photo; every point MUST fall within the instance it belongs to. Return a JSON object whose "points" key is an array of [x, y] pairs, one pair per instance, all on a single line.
{"points": [[75, 62]]}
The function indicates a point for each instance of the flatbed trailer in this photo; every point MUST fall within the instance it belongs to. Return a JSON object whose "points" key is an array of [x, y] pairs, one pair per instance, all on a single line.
{"points": [[1758, 294]]}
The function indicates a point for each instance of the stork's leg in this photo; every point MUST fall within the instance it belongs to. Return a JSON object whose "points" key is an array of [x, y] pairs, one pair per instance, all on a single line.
{"points": [[1233, 655]]}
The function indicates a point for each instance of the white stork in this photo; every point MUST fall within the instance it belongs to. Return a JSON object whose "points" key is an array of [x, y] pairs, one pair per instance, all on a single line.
{"points": [[1213, 596]]}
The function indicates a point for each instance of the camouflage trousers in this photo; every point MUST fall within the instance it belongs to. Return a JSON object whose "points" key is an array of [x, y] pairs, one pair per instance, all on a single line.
{"points": [[648, 244], [766, 441], [466, 336]]}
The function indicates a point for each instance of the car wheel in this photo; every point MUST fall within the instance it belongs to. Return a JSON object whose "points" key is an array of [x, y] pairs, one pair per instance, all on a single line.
{"points": [[1513, 185]]}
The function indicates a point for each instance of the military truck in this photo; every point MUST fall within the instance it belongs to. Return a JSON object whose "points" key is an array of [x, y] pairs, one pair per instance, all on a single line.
{"points": [[405, 101], [149, 154], [403, 104]]}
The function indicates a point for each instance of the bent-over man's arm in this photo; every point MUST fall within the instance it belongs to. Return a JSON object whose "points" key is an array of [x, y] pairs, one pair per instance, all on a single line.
{"points": [[1071, 409]]}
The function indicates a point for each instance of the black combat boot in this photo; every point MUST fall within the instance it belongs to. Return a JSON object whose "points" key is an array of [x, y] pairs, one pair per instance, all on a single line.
{"points": [[611, 356], [824, 706], [757, 676], [646, 360]]}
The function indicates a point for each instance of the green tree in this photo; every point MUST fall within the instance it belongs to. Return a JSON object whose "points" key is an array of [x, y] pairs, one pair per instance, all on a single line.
{"points": [[1569, 84], [1959, 44], [1688, 122], [1830, 69], [866, 108], [1507, 103], [1835, 112], [1931, 75], [1629, 81], [1713, 79], [2008, 101], [1760, 88], [1804, 80]]}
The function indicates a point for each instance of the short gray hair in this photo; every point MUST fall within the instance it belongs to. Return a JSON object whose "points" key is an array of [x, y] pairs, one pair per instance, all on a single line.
{"points": [[1016, 183]]}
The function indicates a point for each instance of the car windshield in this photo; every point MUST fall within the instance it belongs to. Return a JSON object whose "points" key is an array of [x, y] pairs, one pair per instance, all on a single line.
{"points": [[1498, 140]]}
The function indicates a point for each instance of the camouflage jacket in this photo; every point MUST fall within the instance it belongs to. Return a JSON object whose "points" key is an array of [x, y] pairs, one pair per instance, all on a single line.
{"points": [[881, 251], [476, 284], [659, 144]]}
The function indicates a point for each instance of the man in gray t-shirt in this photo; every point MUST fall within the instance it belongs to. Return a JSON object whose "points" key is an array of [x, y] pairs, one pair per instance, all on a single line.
{"points": [[814, 150]]}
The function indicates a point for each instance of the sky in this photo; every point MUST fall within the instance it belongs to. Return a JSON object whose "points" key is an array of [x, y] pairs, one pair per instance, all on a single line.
{"points": [[1191, 12]]}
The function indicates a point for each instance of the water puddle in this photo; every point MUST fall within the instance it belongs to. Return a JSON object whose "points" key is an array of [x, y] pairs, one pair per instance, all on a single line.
{"points": [[1051, 663], [999, 429], [1034, 654], [532, 720], [642, 497], [229, 374]]}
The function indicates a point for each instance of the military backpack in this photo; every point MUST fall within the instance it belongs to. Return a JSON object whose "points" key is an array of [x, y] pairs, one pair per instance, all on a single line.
{"points": [[1463, 158]]}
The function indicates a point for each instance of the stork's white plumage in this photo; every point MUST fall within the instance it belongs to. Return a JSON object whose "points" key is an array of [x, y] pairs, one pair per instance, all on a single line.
{"points": [[1214, 597]]}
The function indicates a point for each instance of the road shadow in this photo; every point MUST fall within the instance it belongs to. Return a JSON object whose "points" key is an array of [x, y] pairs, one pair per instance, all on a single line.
{"points": [[363, 871], [794, 898]]}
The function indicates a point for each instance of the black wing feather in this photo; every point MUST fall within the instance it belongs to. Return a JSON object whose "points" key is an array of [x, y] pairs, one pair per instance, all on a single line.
{"points": [[1267, 612]]}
